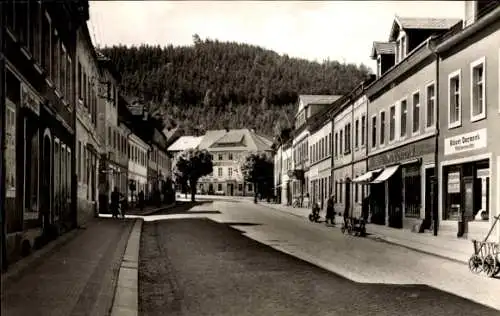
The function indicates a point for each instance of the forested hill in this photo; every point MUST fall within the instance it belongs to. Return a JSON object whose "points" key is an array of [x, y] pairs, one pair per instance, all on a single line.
{"points": [[212, 84]]}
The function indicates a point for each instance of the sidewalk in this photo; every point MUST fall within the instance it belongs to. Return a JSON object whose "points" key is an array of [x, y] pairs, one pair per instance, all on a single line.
{"points": [[458, 250], [77, 277]]}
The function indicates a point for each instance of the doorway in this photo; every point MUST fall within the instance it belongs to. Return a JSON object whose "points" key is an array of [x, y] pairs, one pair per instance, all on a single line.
{"points": [[348, 196], [46, 192], [230, 189], [430, 203]]}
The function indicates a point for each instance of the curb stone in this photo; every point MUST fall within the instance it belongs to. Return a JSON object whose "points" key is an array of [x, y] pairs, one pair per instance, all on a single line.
{"points": [[126, 296]]}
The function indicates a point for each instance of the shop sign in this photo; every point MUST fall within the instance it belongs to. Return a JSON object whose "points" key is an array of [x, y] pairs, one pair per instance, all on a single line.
{"points": [[410, 151], [454, 182], [29, 100], [465, 142]]}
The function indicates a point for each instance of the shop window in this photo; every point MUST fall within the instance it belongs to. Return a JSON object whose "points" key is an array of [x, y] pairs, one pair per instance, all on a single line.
{"points": [[416, 113], [478, 100], [240, 187], [412, 191], [250, 187], [454, 100], [11, 162], [31, 183], [219, 187], [430, 108]]}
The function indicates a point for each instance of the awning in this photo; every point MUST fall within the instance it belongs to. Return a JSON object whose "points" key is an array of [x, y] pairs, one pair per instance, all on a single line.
{"points": [[386, 174], [366, 177]]}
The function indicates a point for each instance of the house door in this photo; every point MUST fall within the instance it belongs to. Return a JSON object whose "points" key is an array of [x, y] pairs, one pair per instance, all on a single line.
{"points": [[348, 197], [46, 194], [231, 189], [430, 206]]}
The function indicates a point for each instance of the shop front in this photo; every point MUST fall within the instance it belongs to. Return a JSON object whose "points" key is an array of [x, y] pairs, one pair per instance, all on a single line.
{"points": [[398, 189], [466, 185]]}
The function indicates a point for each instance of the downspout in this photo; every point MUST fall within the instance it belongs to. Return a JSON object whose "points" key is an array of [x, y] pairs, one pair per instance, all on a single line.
{"points": [[4, 262], [435, 180]]}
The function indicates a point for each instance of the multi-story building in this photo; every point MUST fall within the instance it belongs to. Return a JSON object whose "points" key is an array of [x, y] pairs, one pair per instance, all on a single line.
{"points": [[468, 95], [402, 122], [320, 164], [111, 171], [228, 148], [137, 166], [308, 106], [38, 107], [88, 141], [287, 173]]}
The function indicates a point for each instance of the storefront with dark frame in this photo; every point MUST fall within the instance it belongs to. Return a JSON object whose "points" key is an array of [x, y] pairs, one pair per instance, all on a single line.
{"points": [[398, 192]]}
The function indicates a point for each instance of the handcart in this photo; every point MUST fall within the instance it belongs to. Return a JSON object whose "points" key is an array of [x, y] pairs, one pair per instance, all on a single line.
{"points": [[486, 257], [354, 226]]}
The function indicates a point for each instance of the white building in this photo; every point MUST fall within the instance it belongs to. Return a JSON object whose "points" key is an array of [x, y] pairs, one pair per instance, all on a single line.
{"points": [[137, 165]]}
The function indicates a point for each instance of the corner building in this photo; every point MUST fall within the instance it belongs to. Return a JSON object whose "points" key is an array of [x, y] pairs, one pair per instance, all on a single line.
{"points": [[469, 103]]}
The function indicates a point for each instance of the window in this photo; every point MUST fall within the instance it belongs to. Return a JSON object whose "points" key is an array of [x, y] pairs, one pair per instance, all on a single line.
{"points": [[341, 140], [478, 101], [382, 127], [348, 138], [10, 154], [220, 156], [356, 133], [363, 130], [230, 172], [356, 191], [230, 156], [416, 112], [57, 177], [454, 100], [62, 71], [374, 131], [329, 151], [55, 58], [404, 115], [219, 172], [219, 187], [392, 123], [31, 199], [430, 105], [250, 187], [36, 32], [47, 44], [336, 144]]}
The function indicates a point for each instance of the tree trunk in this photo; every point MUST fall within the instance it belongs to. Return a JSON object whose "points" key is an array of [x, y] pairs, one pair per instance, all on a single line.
{"points": [[255, 192], [192, 184]]}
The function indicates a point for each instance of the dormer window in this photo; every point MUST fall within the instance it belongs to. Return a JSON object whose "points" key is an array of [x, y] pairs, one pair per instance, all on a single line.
{"points": [[379, 66], [403, 47]]}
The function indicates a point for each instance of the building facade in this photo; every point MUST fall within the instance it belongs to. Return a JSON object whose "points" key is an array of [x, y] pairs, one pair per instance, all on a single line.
{"points": [[402, 125], [469, 123], [88, 141], [228, 149], [137, 166], [38, 184]]}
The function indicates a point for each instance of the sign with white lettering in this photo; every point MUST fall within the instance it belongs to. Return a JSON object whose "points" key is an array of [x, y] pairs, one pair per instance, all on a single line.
{"points": [[454, 182], [465, 142]]}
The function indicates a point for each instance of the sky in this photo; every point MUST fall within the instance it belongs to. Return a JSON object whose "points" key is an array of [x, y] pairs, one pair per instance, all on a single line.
{"points": [[314, 30]]}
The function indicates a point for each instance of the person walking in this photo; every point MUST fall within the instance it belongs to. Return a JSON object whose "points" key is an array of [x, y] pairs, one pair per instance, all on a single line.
{"points": [[330, 212], [115, 202]]}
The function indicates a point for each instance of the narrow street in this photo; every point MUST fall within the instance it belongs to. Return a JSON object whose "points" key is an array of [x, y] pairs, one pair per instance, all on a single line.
{"points": [[200, 262]]}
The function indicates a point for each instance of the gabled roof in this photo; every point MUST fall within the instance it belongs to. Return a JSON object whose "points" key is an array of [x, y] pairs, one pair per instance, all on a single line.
{"points": [[235, 140], [307, 99], [185, 142], [420, 24], [381, 48]]}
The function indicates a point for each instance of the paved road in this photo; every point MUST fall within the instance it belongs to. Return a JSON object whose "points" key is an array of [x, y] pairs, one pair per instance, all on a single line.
{"points": [[206, 267]]}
